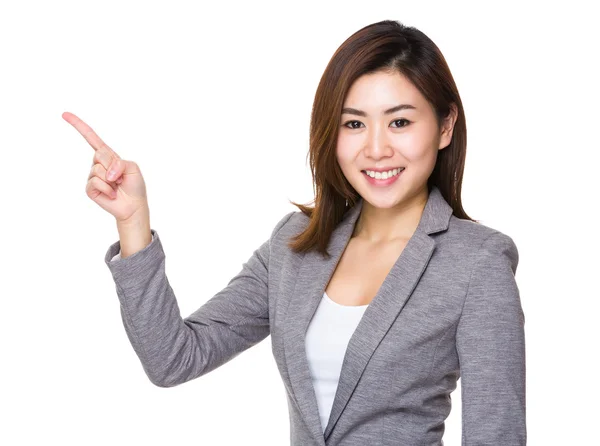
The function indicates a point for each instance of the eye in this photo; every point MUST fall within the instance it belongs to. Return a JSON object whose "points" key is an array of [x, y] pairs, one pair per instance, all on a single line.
{"points": [[356, 124], [401, 120], [351, 126]]}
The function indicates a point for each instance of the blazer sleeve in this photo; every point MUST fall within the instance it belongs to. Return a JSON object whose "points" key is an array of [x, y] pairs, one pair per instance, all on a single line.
{"points": [[490, 342], [173, 350]]}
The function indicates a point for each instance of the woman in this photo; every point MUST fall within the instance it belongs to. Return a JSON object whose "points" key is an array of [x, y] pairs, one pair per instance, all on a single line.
{"points": [[377, 299]]}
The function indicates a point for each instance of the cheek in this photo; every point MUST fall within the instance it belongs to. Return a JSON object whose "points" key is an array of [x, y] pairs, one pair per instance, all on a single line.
{"points": [[343, 143], [344, 149], [417, 148]]}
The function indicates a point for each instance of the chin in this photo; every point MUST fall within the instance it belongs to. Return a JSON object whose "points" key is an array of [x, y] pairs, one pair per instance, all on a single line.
{"points": [[381, 201]]}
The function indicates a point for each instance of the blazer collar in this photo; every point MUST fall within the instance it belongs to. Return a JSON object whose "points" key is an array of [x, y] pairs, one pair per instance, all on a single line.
{"points": [[313, 276]]}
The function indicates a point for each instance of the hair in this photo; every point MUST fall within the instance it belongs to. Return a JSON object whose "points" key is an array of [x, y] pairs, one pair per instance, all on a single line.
{"points": [[383, 46]]}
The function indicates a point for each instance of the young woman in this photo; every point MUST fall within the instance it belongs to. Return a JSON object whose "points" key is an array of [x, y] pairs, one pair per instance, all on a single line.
{"points": [[378, 298]]}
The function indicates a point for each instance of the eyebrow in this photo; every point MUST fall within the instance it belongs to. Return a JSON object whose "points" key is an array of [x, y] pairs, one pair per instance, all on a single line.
{"points": [[354, 111]]}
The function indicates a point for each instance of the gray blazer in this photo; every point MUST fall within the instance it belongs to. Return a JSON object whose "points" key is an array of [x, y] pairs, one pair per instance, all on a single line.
{"points": [[449, 308]]}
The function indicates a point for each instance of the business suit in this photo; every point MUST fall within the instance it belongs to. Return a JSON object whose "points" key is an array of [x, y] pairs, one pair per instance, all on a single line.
{"points": [[448, 308]]}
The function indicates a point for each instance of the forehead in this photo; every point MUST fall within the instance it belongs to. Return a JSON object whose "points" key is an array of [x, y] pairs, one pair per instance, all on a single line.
{"points": [[383, 89]]}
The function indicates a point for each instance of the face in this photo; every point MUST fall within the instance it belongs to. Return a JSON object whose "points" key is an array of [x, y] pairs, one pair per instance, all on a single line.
{"points": [[376, 134]]}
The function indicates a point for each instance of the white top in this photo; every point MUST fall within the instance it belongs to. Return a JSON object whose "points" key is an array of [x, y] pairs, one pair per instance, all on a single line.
{"points": [[327, 338]]}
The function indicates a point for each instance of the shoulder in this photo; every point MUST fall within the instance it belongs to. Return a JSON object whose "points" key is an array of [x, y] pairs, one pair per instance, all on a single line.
{"points": [[288, 225], [481, 243]]}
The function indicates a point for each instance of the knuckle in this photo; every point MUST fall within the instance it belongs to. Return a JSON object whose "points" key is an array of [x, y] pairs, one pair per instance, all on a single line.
{"points": [[89, 187], [96, 183], [103, 157], [97, 170], [110, 152]]}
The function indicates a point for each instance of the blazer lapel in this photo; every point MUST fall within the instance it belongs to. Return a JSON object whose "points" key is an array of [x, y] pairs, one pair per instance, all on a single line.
{"points": [[314, 275]]}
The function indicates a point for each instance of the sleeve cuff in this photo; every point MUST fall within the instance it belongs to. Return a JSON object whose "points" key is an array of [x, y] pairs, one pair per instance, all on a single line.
{"points": [[132, 269]]}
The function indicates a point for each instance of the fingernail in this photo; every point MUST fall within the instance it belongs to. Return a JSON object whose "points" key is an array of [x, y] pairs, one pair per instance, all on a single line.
{"points": [[111, 175]]}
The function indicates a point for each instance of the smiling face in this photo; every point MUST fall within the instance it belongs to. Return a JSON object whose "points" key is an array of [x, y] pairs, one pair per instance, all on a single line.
{"points": [[386, 124]]}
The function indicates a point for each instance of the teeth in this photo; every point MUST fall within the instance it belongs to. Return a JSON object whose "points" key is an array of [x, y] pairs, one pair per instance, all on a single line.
{"points": [[384, 175]]}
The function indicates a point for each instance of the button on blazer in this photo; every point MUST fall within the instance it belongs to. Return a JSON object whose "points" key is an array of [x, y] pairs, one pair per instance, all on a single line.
{"points": [[449, 308]]}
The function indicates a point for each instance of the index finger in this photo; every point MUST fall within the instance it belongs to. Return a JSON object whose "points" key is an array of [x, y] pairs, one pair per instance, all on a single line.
{"points": [[88, 133]]}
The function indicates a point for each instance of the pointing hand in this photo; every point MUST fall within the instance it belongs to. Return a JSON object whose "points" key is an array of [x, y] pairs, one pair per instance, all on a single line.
{"points": [[122, 194]]}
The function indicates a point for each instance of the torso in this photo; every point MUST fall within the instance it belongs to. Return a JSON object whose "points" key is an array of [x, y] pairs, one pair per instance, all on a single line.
{"points": [[362, 270]]}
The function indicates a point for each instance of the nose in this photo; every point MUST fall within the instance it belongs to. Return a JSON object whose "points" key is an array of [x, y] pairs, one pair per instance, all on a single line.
{"points": [[378, 144]]}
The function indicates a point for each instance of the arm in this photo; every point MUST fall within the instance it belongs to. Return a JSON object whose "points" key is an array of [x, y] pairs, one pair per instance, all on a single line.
{"points": [[118, 255], [490, 342], [173, 350]]}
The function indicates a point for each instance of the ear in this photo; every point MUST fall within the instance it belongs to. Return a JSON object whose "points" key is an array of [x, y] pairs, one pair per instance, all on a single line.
{"points": [[447, 127]]}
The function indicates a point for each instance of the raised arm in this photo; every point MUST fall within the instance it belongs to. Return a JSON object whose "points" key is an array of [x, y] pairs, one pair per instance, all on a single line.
{"points": [[490, 341], [173, 350]]}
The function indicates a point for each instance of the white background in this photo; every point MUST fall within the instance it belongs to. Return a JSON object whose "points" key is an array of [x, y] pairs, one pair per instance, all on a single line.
{"points": [[213, 102]]}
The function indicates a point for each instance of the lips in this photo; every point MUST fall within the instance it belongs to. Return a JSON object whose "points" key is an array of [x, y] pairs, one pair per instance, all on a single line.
{"points": [[381, 169], [401, 169], [381, 182]]}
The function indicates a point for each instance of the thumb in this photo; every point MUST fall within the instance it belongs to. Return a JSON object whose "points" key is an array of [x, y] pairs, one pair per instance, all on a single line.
{"points": [[115, 170]]}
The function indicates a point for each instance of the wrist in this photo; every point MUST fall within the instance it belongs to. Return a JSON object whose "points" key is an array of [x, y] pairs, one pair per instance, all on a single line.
{"points": [[139, 218], [134, 234]]}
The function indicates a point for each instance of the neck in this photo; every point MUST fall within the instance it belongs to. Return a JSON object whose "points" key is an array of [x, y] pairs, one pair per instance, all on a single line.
{"points": [[383, 225]]}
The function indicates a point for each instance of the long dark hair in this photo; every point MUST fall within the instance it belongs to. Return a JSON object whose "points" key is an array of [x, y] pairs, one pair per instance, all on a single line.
{"points": [[387, 45]]}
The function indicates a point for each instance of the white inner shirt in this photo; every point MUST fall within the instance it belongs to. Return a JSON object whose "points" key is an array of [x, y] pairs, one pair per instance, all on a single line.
{"points": [[327, 339]]}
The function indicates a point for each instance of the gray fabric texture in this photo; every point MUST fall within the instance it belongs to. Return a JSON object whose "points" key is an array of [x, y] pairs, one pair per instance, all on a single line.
{"points": [[449, 308]]}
